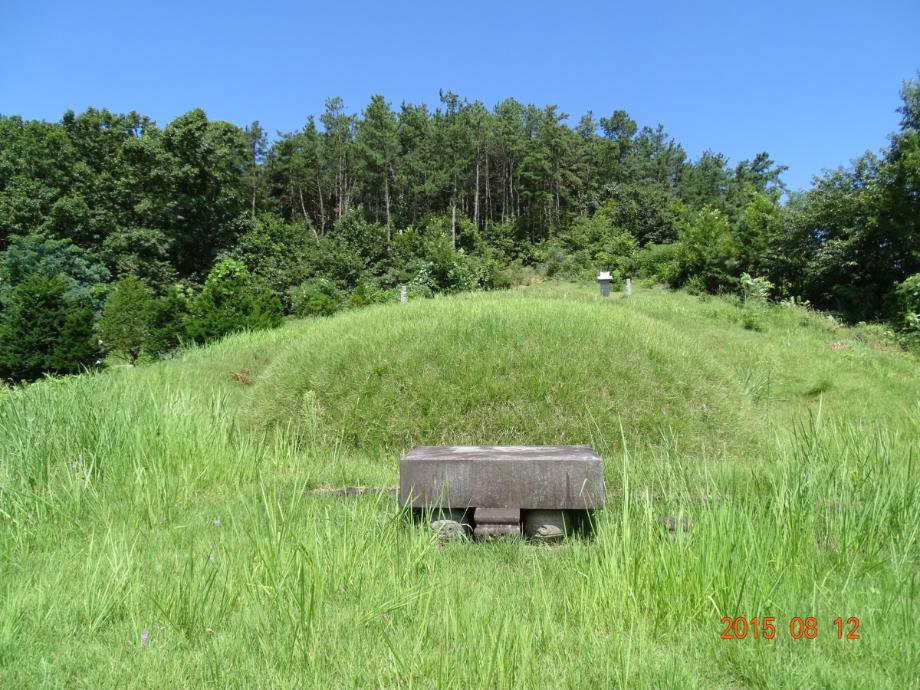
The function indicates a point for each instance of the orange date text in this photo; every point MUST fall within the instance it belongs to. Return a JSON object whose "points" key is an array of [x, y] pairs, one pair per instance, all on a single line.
{"points": [[797, 627]]}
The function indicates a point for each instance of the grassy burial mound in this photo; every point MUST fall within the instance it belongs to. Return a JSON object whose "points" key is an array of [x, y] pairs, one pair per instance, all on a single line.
{"points": [[177, 524], [501, 369]]}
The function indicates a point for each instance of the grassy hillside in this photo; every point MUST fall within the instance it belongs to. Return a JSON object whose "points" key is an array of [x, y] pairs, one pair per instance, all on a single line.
{"points": [[173, 524]]}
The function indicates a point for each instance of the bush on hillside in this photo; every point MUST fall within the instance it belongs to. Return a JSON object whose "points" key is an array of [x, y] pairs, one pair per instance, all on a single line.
{"points": [[228, 303], [141, 252], [445, 269], [500, 275], [907, 299], [315, 297], [167, 324], [657, 262], [368, 293], [592, 244], [267, 311], [755, 290], [277, 253], [706, 255], [124, 326], [365, 240], [45, 331], [556, 262]]}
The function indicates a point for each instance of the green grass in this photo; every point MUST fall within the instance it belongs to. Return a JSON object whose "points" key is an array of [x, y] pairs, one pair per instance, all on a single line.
{"points": [[181, 499]]}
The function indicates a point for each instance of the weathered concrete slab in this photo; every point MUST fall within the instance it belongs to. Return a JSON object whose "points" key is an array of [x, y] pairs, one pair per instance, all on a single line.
{"points": [[522, 477]]}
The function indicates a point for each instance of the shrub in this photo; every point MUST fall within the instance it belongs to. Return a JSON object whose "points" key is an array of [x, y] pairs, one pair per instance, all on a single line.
{"points": [[44, 331], [368, 241], [593, 243], [445, 269], [124, 326], [558, 263], [706, 252], [907, 298], [499, 276], [907, 310], [755, 290], [267, 311], [277, 254], [657, 262], [315, 297], [167, 324], [228, 303], [368, 293]]}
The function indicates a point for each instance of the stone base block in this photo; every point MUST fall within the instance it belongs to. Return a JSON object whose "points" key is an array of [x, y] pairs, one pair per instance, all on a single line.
{"points": [[494, 531]]}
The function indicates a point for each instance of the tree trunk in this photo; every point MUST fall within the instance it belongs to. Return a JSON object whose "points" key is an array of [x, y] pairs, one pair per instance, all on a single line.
{"points": [[510, 193], [340, 190], [386, 196], [488, 195], [558, 220], [505, 186], [306, 217], [476, 192], [322, 213], [453, 215]]}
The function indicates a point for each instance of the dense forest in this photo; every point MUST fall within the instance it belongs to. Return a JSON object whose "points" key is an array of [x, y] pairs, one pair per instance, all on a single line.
{"points": [[119, 237]]}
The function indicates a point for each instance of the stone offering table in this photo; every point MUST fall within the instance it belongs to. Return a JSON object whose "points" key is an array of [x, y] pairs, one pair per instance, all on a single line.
{"points": [[501, 485]]}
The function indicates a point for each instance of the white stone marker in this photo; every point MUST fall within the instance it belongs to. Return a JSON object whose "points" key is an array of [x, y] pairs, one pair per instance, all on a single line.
{"points": [[604, 279]]}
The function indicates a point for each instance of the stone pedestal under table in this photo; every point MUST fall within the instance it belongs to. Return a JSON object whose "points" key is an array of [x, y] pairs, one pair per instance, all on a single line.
{"points": [[498, 491]]}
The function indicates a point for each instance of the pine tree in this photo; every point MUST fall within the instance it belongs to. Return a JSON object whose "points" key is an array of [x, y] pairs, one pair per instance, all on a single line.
{"points": [[42, 331]]}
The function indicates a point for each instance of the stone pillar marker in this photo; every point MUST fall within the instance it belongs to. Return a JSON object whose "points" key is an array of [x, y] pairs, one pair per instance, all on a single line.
{"points": [[628, 288], [403, 294], [604, 279]]}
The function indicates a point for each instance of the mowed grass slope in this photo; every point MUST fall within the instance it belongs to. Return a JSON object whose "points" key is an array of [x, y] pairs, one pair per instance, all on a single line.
{"points": [[162, 527]]}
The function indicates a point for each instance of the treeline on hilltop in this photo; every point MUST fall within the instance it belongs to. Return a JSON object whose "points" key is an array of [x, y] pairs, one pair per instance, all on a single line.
{"points": [[121, 237]]}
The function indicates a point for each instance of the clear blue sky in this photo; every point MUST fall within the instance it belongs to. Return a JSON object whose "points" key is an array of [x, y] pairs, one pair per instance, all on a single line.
{"points": [[813, 83]]}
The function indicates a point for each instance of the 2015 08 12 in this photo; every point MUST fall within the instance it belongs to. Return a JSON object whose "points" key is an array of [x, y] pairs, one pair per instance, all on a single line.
{"points": [[799, 627]]}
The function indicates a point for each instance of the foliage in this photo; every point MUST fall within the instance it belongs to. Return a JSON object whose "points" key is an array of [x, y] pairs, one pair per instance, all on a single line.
{"points": [[167, 324], [368, 241], [442, 199], [228, 303], [858, 228], [446, 269], [142, 252], [907, 296], [658, 262], [277, 254], [26, 255], [368, 293], [124, 326], [706, 252], [316, 297], [591, 244], [755, 290], [43, 330]]}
